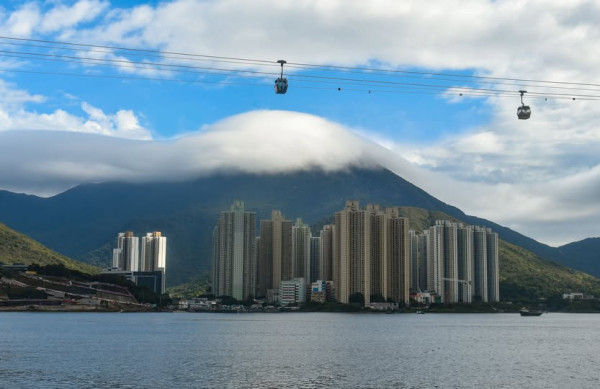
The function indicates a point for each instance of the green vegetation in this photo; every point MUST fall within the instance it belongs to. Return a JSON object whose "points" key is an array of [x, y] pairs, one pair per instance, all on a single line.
{"points": [[525, 276], [18, 248], [194, 288]]}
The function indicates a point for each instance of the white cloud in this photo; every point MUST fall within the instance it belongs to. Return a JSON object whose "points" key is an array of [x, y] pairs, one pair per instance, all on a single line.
{"points": [[260, 141], [14, 115], [22, 22], [63, 17]]}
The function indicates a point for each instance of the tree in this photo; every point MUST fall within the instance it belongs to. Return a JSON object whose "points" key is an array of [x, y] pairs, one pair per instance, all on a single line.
{"points": [[357, 299]]}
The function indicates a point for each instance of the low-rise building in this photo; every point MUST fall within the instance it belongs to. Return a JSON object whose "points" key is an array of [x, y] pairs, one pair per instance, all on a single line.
{"points": [[321, 291], [292, 292]]}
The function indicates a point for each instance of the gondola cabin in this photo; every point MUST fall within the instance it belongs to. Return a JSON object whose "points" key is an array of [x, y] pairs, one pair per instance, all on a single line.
{"points": [[523, 112], [281, 85]]}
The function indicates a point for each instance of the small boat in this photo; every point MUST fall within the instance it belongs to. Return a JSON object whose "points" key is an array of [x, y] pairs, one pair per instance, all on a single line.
{"points": [[531, 312], [420, 313]]}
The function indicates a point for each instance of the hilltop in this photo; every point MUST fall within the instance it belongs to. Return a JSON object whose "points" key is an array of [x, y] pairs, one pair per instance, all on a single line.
{"points": [[16, 247]]}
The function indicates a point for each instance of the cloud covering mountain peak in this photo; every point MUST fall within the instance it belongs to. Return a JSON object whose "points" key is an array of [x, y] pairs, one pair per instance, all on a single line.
{"points": [[46, 162]]}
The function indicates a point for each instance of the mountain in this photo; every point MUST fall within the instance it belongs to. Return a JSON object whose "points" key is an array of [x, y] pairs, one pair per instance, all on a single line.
{"points": [[83, 222], [583, 255], [18, 248]]}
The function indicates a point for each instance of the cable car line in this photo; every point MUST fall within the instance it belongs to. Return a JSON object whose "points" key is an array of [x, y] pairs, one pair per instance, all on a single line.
{"points": [[301, 66], [370, 77], [298, 64], [260, 84], [225, 71]]}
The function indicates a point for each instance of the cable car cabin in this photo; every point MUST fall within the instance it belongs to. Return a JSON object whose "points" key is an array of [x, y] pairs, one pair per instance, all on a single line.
{"points": [[281, 85], [524, 112]]}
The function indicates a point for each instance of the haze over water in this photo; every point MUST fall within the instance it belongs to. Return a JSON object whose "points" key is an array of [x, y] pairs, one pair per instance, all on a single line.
{"points": [[306, 350]]}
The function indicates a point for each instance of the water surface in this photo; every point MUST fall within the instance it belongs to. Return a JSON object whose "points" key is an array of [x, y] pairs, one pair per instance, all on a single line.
{"points": [[305, 350]]}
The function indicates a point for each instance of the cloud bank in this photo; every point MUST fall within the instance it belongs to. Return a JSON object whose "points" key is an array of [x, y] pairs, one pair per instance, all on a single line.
{"points": [[46, 162], [43, 162]]}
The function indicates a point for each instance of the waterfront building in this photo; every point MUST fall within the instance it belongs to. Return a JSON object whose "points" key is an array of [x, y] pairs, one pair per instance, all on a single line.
{"points": [[418, 261], [315, 258], [321, 291], [375, 252], [327, 250], [442, 252], [153, 255], [274, 253], [462, 262], [352, 267], [371, 254], [301, 239], [126, 255], [234, 253], [153, 280], [480, 277], [493, 274], [435, 267], [396, 272], [147, 269], [292, 291], [465, 263]]}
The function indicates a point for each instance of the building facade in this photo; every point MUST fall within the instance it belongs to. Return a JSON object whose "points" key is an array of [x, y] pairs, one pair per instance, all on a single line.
{"points": [[127, 254], [234, 253], [274, 253]]}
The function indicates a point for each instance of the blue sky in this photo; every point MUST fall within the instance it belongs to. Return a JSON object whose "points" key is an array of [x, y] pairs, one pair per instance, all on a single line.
{"points": [[540, 176]]}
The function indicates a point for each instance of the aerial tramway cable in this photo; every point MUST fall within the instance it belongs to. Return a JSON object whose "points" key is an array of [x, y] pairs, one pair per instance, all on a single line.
{"points": [[372, 79]]}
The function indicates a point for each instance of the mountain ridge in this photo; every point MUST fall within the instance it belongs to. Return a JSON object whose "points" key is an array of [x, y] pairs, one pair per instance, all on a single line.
{"points": [[86, 218]]}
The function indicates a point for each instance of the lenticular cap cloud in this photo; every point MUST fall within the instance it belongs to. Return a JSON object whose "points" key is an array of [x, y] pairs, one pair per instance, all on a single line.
{"points": [[44, 162]]}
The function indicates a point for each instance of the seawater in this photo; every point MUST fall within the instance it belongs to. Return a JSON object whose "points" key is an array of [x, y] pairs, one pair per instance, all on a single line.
{"points": [[298, 350]]}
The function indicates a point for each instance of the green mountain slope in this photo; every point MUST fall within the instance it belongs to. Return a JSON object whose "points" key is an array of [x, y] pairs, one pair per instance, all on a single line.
{"points": [[583, 255], [525, 274], [18, 248]]}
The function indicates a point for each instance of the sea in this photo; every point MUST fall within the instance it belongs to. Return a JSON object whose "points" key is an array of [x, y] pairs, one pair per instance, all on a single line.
{"points": [[298, 350]]}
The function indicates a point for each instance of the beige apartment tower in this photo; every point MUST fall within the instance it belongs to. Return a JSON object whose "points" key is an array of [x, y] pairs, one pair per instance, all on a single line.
{"points": [[352, 273], [274, 253], [234, 253]]}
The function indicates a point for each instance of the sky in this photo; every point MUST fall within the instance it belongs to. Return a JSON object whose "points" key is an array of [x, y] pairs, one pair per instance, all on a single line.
{"points": [[99, 90]]}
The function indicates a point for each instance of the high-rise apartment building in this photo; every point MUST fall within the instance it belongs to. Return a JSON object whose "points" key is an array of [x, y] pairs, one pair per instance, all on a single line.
{"points": [[126, 255], [462, 262], [480, 277], [442, 261], [327, 250], [274, 253], [371, 254], [301, 236], [493, 272], [234, 253], [375, 252], [147, 269], [396, 273], [153, 255], [465, 263], [315, 258], [352, 274], [418, 261], [153, 252]]}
